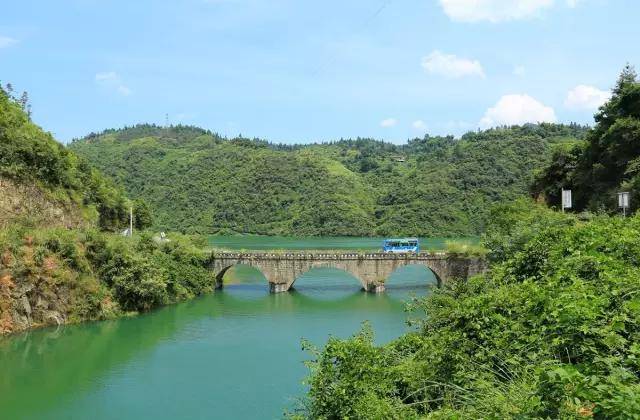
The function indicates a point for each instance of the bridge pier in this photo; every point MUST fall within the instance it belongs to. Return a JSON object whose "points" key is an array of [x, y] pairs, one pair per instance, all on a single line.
{"points": [[375, 288], [278, 287]]}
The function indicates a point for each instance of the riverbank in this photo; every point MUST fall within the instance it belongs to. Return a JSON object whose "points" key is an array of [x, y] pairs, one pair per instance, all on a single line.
{"points": [[58, 276]]}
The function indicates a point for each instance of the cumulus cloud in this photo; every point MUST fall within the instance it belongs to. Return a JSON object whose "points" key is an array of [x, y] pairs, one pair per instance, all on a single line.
{"points": [[451, 66], [583, 97], [6, 41], [494, 10], [388, 122], [517, 109], [111, 80]]}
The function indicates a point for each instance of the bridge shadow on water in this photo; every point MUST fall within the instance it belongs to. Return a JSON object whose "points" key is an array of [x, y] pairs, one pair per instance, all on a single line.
{"points": [[331, 283], [321, 289]]}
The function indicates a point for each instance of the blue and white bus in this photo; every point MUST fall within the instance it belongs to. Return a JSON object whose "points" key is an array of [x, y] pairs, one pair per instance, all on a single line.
{"points": [[399, 246]]}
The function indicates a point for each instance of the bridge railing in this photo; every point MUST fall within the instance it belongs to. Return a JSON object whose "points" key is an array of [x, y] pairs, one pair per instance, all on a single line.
{"points": [[329, 255]]}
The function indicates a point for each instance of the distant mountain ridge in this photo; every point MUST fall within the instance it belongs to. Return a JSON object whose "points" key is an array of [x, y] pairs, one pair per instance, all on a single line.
{"points": [[199, 182]]}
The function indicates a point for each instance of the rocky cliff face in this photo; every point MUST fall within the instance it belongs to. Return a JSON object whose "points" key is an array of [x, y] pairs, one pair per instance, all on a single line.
{"points": [[30, 293], [26, 201], [45, 280], [24, 305], [33, 298]]}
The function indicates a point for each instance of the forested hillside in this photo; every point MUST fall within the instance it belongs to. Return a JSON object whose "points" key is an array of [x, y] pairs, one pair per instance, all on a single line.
{"points": [[197, 181], [44, 183]]}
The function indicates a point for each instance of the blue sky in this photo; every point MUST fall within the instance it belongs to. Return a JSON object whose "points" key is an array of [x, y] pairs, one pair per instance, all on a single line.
{"points": [[293, 71]]}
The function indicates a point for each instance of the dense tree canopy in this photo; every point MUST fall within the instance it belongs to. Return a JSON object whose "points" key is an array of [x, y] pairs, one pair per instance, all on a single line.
{"points": [[197, 181], [608, 161]]}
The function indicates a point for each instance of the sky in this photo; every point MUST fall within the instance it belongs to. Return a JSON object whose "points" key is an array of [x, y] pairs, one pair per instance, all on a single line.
{"points": [[301, 71]]}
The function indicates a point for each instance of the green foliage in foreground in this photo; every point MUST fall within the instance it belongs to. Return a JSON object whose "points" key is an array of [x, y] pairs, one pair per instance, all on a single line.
{"points": [[90, 275], [198, 182], [551, 332]]}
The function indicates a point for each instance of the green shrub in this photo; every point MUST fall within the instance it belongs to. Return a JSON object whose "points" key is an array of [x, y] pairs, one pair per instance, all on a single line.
{"points": [[98, 275]]}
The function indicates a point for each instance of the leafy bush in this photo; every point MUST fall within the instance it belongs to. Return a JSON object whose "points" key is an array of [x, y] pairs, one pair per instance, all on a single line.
{"points": [[146, 273]]}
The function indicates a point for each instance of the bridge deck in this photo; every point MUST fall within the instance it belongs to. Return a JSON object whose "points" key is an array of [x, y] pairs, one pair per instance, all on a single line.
{"points": [[319, 255]]}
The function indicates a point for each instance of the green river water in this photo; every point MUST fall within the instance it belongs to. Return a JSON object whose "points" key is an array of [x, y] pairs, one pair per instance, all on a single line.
{"points": [[235, 354]]}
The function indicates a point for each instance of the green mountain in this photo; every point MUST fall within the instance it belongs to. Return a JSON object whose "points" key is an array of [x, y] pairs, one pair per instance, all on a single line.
{"points": [[197, 181]]}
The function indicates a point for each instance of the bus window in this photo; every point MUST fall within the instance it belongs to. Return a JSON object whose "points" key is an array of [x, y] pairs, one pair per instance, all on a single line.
{"points": [[401, 245]]}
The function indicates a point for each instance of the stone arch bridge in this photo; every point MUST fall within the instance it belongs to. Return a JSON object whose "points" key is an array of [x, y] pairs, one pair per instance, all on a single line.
{"points": [[372, 269]]}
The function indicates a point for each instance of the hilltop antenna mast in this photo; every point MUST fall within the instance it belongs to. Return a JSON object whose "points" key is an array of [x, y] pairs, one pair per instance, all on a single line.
{"points": [[166, 120]]}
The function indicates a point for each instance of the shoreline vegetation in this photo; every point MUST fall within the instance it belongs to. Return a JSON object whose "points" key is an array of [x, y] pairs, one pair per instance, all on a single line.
{"points": [[59, 276]]}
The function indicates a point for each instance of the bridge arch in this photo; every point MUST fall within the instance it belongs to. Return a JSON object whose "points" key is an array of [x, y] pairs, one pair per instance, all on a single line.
{"points": [[412, 265], [221, 272], [333, 265]]}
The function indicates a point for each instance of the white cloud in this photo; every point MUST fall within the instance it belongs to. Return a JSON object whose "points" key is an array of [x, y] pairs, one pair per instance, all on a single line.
{"points": [[6, 41], [517, 109], [583, 97], [111, 80], [419, 125], [451, 66], [494, 10], [519, 71], [389, 122]]}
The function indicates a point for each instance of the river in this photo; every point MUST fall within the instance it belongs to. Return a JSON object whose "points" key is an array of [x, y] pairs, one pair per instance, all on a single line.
{"points": [[233, 354]]}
